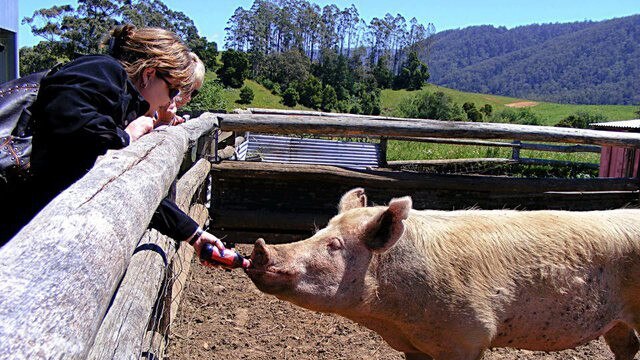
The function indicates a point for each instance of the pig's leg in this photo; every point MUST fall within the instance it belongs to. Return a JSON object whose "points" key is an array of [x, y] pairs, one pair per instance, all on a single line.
{"points": [[622, 341], [417, 356]]}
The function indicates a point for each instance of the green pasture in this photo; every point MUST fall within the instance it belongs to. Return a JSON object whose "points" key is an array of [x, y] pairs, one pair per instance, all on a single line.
{"points": [[550, 113]]}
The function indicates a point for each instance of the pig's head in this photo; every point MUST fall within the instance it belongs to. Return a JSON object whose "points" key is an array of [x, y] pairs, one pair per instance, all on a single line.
{"points": [[331, 270]]}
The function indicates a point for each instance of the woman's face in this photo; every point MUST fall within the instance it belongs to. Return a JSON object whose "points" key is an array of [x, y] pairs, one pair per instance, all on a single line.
{"points": [[157, 89], [183, 99]]}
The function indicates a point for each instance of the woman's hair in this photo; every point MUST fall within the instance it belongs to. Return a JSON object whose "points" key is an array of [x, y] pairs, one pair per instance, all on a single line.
{"points": [[139, 49], [198, 71]]}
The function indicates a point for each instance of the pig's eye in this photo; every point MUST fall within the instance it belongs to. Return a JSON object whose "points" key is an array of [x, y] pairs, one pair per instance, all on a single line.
{"points": [[335, 244]]}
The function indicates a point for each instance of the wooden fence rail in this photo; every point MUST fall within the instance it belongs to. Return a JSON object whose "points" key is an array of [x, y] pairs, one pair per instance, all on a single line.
{"points": [[346, 125], [59, 274]]}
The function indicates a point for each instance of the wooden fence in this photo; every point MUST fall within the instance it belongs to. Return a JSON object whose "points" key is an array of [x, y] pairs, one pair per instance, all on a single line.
{"points": [[63, 289], [515, 145]]}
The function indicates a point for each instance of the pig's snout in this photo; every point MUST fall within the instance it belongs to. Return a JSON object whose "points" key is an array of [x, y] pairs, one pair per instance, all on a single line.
{"points": [[260, 254]]}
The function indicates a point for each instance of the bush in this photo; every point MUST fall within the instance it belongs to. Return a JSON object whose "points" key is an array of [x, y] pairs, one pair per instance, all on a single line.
{"points": [[355, 109], [268, 84], [234, 69], [521, 117], [329, 98], [276, 89], [311, 92], [343, 106], [487, 109], [246, 95], [473, 114], [581, 120], [209, 98], [290, 97], [426, 105]]}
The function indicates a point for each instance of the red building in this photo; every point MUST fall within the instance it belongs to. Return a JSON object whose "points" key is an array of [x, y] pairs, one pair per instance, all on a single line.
{"points": [[619, 162]]}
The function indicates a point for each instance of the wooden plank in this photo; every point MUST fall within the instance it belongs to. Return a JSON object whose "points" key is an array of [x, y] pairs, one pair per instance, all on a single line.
{"points": [[534, 161], [266, 219], [380, 126], [58, 275], [448, 162], [617, 161], [406, 180], [560, 148], [126, 321], [249, 237], [605, 161], [522, 146]]}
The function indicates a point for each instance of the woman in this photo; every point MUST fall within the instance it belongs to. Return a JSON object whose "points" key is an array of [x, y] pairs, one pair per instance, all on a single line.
{"points": [[167, 115], [101, 102]]}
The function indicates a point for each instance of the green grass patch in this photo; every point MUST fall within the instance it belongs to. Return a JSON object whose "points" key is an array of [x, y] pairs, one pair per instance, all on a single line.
{"points": [[405, 150], [263, 98]]}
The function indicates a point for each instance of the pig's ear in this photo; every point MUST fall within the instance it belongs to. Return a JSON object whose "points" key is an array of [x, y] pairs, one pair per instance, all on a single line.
{"points": [[353, 199], [384, 229]]}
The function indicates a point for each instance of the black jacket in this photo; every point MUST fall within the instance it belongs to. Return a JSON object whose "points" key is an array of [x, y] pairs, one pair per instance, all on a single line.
{"points": [[81, 112]]}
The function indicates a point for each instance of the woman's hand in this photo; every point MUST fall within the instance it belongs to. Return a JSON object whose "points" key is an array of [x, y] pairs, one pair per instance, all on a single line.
{"points": [[166, 115], [139, 127], [207, 238]]}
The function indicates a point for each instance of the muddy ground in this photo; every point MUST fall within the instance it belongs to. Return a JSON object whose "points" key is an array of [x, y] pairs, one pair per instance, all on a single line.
{"points": [[223, 316]]}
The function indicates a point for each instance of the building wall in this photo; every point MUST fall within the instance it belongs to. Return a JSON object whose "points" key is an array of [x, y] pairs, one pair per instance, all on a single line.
{"points": [[9, 40]]}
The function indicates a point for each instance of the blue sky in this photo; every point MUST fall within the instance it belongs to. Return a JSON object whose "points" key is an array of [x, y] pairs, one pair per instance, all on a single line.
{"points": [[210, 16]]}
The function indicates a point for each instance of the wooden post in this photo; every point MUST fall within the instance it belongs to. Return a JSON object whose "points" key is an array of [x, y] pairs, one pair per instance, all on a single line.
{"points": [[126, 322], [58, 275], [515, 151], [382, 157]]}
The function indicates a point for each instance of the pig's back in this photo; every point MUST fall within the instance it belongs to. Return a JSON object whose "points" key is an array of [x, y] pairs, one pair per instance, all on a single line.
{"points": [[478, 252]]}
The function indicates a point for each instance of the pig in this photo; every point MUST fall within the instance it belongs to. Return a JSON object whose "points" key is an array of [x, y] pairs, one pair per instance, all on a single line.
{"points": [[447, 285]]}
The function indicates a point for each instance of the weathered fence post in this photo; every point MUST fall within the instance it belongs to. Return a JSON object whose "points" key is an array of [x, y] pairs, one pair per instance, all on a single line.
{"points": [[515, 151]]}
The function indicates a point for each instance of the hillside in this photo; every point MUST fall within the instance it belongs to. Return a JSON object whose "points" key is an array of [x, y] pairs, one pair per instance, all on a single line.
{"points": [[550, 113], [580, 63]]}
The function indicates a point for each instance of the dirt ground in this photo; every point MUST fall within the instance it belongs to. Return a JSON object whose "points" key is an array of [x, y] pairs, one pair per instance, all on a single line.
{"points": [[521, 104], [224, 316]]}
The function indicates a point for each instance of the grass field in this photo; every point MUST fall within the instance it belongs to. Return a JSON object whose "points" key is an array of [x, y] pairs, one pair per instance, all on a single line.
{"points": [[550, 113]]}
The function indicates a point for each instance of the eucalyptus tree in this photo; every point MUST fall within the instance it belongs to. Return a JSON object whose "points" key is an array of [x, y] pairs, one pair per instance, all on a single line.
{"points": [[238, 30], [76, 31], [329, 25], [69, 32]]}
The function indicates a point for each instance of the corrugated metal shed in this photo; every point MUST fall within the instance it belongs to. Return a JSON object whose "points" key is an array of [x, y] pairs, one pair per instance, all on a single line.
{"points": [[271, 148], [625, 125]]}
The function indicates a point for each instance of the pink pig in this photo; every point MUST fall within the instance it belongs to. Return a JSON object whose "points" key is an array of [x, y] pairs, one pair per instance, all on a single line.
{"points": [[447, 285]]}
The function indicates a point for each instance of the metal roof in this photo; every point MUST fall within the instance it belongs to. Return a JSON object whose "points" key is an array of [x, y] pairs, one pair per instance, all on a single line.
{"points": [[625, 125]]}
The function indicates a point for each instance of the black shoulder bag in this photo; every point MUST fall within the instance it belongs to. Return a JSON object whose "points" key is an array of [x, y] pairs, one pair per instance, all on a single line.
{"points": [[16, 98]]}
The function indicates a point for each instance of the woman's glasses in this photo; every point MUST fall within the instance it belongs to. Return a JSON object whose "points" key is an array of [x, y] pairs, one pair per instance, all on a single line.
{"points": [[173, 92]]}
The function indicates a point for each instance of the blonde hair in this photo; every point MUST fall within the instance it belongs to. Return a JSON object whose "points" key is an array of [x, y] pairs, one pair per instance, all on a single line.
{"points": [[139, 49], [198, 72]]}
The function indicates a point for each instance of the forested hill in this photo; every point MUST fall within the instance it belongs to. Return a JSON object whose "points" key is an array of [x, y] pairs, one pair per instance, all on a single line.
{"points": [[581, 63]]}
